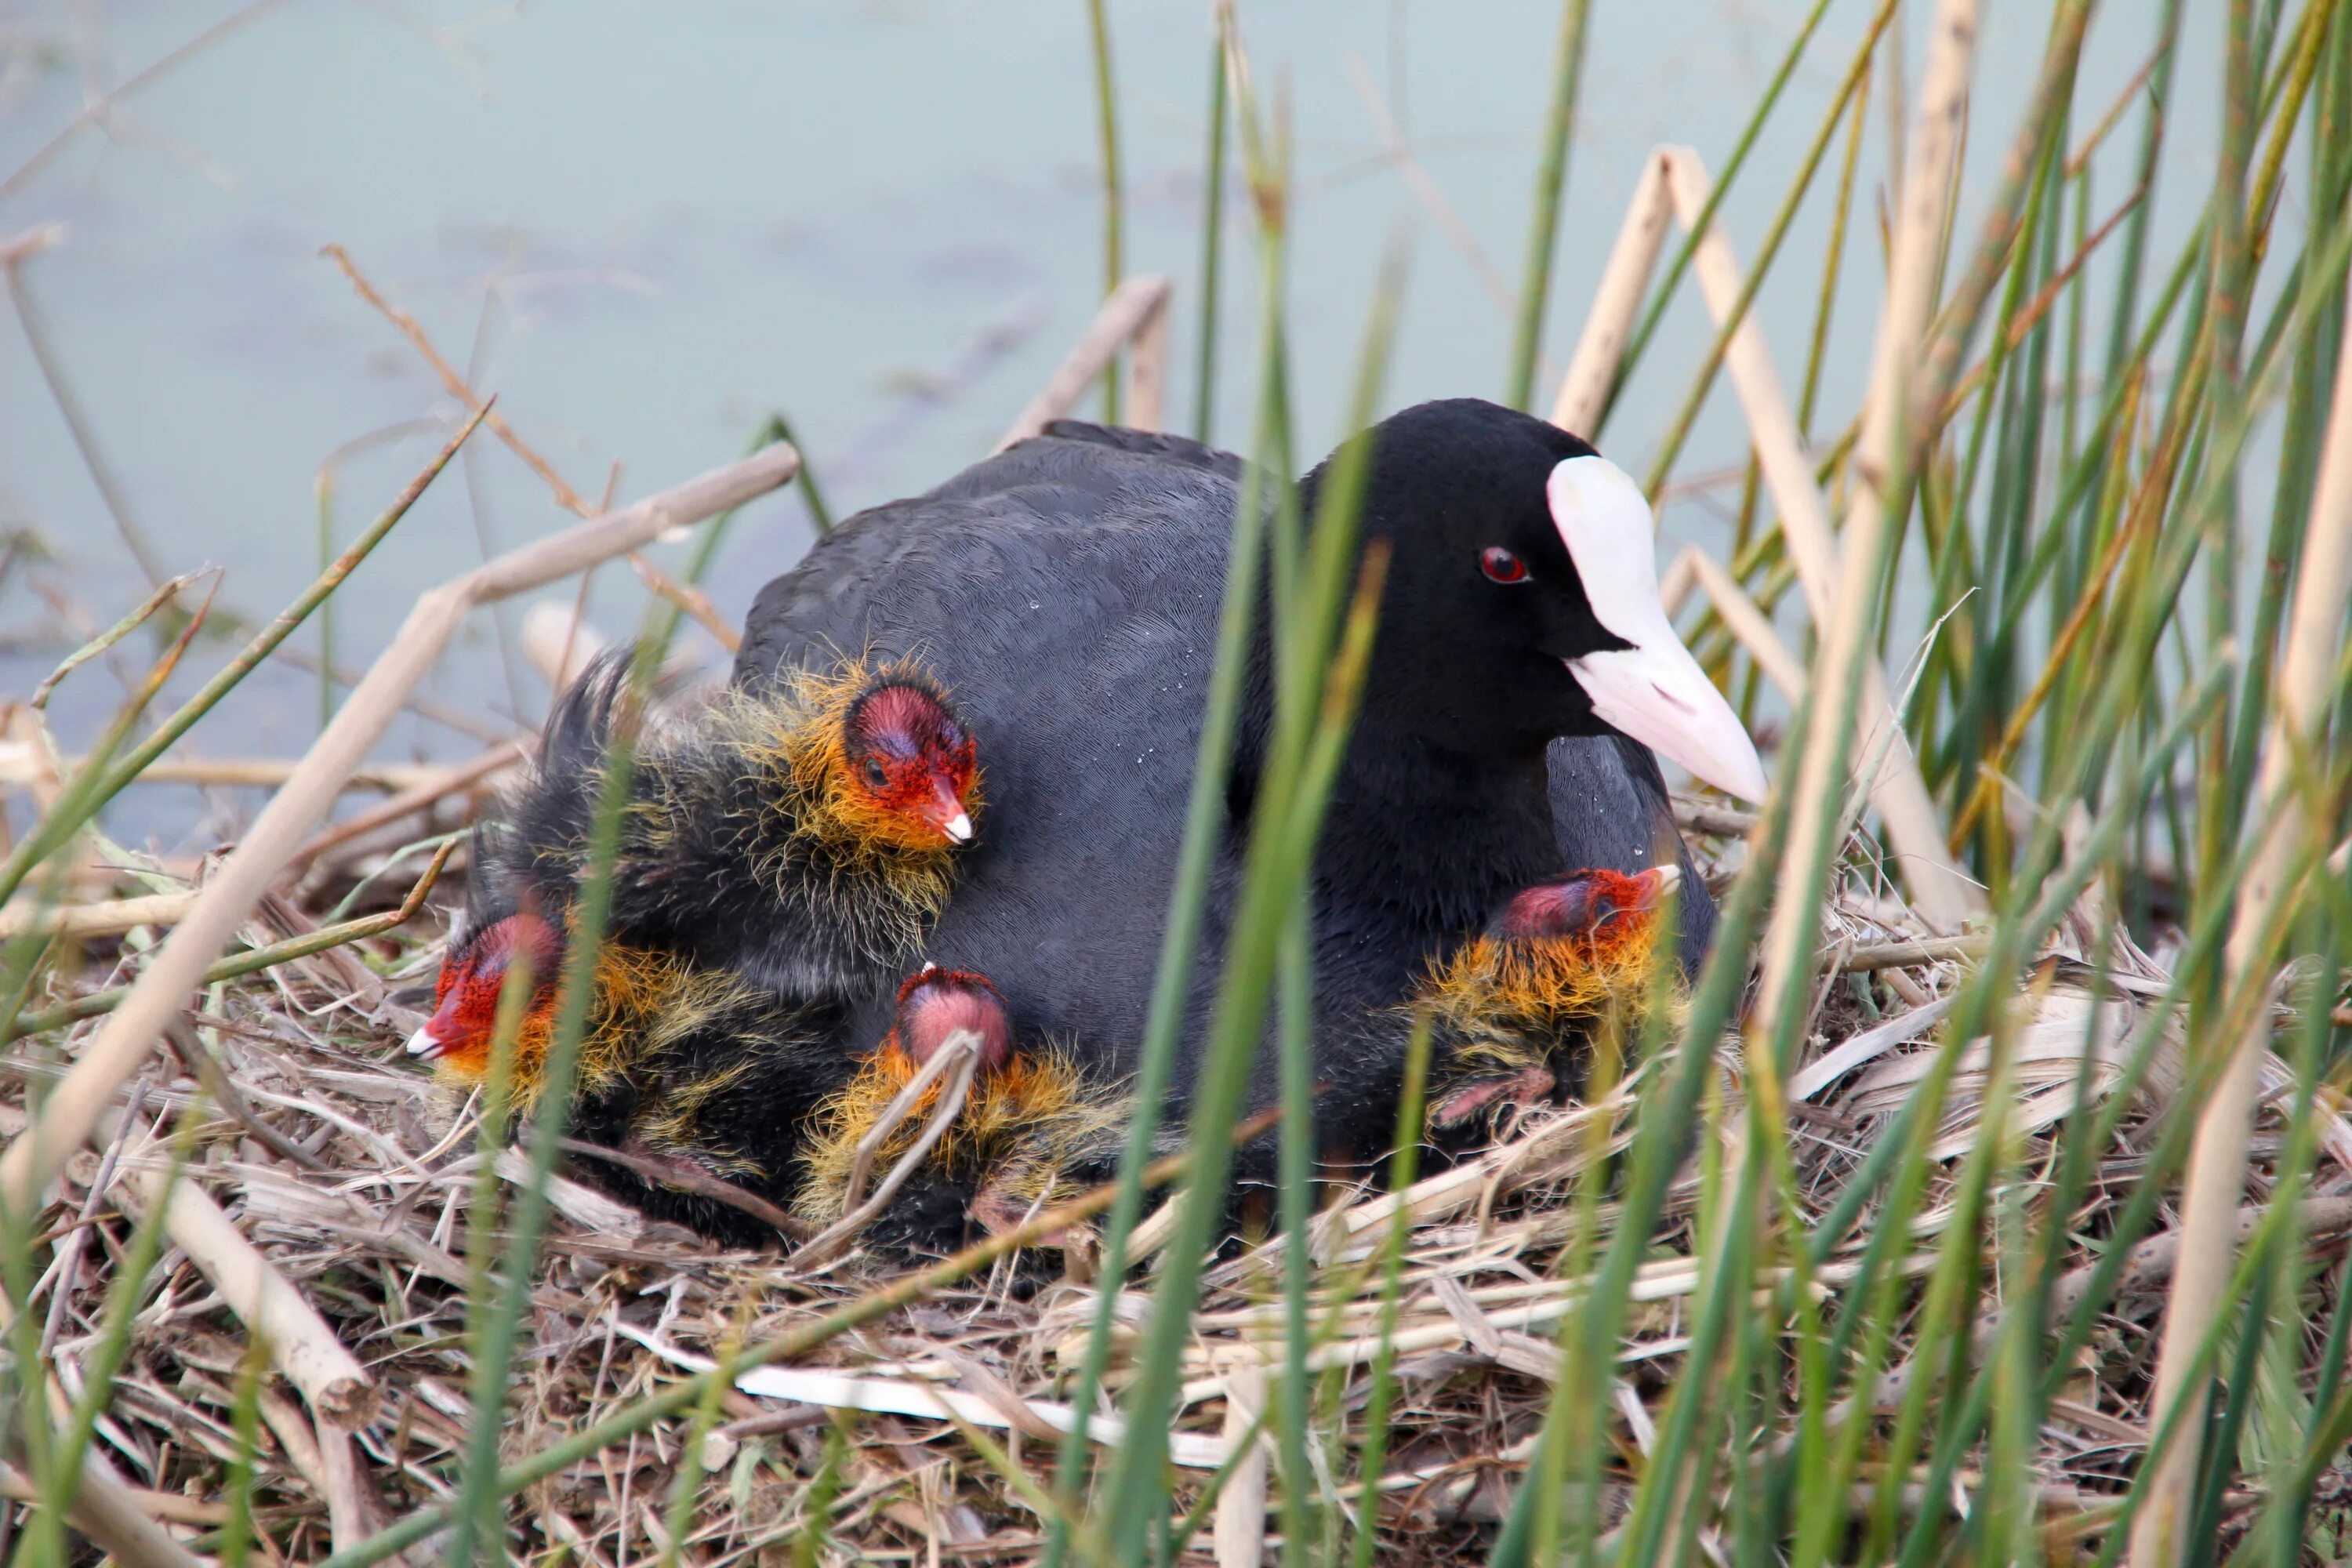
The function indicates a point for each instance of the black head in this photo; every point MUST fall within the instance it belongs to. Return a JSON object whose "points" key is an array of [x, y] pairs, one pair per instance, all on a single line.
{"points": [[1522, 599]]}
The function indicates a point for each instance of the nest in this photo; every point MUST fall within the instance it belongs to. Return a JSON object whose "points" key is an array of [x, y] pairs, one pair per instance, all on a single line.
{"points": [[354, 1176]]}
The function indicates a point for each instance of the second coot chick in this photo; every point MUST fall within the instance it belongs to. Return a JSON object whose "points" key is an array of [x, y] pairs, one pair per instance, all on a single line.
{"points": [[804, 836], [682, 1066]]}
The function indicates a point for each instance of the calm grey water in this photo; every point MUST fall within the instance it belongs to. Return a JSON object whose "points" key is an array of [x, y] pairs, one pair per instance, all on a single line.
{"points": [[646, 225]]}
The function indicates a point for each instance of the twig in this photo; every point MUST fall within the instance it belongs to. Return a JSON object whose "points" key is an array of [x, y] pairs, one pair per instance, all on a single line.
{"points": [[1123, 316], [94, 112], [455, 384], [424, 794], [686, 1178], [694, 602]]}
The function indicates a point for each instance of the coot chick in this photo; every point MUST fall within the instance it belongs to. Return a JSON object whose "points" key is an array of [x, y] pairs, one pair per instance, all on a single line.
{"points": [[804, 837], [1068, 589], [680, 1067], [1034, 1127], [1516, 1012]]}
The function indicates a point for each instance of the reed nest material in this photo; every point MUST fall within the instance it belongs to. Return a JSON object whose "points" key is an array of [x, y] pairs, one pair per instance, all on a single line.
{"points": [[353, 1175]]}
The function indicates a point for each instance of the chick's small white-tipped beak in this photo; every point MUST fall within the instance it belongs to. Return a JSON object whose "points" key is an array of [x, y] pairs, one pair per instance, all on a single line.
{"points": [[958, 828], [1669, 876], [1652, 691], [425, 1043]]}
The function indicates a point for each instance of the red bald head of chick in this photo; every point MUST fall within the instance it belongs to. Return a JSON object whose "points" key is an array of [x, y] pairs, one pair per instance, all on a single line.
{"points": [[1604, 910], [909, 769], [456, 1038], [937, 1004]]}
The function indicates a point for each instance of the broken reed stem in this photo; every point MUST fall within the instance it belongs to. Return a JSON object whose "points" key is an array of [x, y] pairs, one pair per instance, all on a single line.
{"points": [[1818, 788], [2293, 828], [1122, 317], [297, 1338], [1600, 349], [71, 1113]]}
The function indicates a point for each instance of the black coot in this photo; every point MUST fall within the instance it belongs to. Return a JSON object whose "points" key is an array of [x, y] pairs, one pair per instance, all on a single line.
{"points": [[1067, 591]]}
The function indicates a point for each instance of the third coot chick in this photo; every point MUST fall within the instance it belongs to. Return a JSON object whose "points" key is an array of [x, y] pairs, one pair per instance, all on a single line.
{"points": [[1516, 1012], [1035, 1129]]}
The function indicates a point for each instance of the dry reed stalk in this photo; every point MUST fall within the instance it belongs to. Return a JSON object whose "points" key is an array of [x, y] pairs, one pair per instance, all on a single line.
{"points": [[1145, 405], [20, 765], [1123, 318], [1845, 637], [1940, 890], [422, 796], [1747, 622], [1593, 370], [120, 1518], [111, 918], [299, 1340], [71, 1114], [1239, 1532], [2292, 828]]}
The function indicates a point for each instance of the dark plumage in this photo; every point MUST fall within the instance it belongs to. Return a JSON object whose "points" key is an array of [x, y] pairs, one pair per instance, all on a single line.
{"points": [[1068, 590]]}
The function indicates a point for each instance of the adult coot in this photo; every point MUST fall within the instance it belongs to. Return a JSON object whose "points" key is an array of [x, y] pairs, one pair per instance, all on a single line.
{"points": [[1066, 592]]}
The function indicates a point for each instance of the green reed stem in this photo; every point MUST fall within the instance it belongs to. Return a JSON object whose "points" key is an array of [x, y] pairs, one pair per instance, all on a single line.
{"points": [[1114, 201], [1543, 231]]}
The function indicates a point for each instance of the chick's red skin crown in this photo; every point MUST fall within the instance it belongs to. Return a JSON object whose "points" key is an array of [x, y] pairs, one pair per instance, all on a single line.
{"points": [[934, 1005], [1593, 903], [466, 996], [909, 757]]}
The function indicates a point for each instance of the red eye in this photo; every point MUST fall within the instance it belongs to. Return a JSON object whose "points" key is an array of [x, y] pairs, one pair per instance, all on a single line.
{"points": [[1501, 566]]}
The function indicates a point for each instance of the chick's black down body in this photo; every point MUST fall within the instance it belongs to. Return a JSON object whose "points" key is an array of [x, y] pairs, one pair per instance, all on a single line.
{"points": [[709, 863], [1067, 593], [688, 1060]]}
